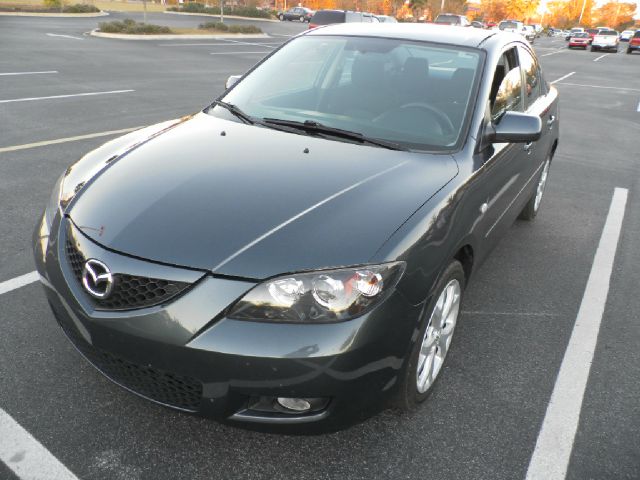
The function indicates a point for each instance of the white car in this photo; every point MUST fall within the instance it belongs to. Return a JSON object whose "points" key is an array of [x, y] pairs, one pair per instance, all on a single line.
{"points": [[605, 40], [626, 35]]}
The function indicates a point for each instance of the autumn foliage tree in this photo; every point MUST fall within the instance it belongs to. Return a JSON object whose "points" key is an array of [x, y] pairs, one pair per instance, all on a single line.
{"points": [[617, 15], [496, 10]]}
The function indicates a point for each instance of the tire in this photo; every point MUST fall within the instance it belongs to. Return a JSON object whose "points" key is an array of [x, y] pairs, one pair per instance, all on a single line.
{"points": [[410, 394], [629, 50], [593, 49], [301, 19], [530, 210], [281, 17]]}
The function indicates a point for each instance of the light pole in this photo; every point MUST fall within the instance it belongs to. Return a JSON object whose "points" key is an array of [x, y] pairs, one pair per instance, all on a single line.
{"points": [[584, 4]]}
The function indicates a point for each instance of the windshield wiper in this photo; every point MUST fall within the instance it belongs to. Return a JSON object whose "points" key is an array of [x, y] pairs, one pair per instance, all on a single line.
{"points": [[315, 127], [246, 118]]}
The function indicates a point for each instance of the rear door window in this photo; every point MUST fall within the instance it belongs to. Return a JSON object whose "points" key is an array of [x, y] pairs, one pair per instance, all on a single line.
{"points": [[506, 91], [533, 83]]}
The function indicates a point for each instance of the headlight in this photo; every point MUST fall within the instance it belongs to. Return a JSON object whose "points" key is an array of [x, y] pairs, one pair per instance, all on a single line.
{"points": [[319, 297], [54, 201]]}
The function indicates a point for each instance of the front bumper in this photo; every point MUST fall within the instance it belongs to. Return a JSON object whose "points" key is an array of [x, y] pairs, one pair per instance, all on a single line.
{"points": [[187, 355]]}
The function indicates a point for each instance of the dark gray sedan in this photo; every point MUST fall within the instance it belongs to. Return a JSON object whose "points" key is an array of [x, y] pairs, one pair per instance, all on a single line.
{"points": [[294, 257]]}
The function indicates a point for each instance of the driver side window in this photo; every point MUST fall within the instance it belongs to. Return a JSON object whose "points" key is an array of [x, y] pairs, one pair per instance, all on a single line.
{"points": [[506, 89]]}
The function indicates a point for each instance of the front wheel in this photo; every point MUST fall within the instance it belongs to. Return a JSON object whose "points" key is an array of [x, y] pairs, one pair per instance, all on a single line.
{"points": [[530, 210], [301, 19], [434, 338]]}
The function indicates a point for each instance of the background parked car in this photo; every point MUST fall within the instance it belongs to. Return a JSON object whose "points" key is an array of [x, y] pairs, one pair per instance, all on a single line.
{"points": [[634, 42], [452, 19], [386, 19], [605, 40], [301, 14], [529, 33], [626, 35], [329, 17], [477, 24], [572, 32], [513, 26], [580, 40]]}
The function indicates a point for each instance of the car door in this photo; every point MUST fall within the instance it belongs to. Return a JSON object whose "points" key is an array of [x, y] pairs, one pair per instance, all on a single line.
{"points": [[500, 175]]}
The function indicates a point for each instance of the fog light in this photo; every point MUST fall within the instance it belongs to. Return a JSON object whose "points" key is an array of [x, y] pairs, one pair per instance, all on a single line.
{"points": [[295, 404]]}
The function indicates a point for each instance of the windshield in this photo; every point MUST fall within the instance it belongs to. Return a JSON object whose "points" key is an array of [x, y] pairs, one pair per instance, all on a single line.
{"points": [[581, 35], [609, 32], [414, 94]]}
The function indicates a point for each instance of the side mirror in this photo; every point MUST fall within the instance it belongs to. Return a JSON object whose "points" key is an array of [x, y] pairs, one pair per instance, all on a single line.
{"points": [[231, 81], [516, 127]]}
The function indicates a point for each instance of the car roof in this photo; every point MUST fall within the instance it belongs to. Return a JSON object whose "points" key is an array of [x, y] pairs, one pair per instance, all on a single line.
{"points": [[461, 36]]}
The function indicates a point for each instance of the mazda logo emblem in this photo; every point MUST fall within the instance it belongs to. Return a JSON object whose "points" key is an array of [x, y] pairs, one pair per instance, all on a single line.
{"points": [[97, 279]]}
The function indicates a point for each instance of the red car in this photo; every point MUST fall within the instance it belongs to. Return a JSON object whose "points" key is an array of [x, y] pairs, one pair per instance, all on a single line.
{"points": [[634, 42], [580, 40]]}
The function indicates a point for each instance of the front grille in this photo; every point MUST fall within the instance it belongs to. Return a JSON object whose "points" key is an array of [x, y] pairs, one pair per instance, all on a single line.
{"points": [[129, 291], [170, 389]]}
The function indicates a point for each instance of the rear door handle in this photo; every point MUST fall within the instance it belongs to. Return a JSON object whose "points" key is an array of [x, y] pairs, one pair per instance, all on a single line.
{"points": [[551, 120]]}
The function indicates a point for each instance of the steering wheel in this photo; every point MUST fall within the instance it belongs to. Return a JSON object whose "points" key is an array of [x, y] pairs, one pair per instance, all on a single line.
{"points": [[441, 117]]}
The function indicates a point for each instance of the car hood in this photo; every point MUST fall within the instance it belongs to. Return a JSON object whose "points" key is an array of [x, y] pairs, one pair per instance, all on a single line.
{"points": [[252, 202]]}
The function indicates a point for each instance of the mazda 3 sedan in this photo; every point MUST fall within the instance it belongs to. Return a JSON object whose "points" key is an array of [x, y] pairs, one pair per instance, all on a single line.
{"points": [[294, 256]]}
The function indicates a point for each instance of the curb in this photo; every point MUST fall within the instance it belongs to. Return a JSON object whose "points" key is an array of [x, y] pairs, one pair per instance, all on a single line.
{"points": [[124, 36], [58, 15], [226, 16]]}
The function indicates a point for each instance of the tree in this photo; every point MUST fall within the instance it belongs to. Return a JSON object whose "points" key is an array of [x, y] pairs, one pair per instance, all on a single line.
{"points": [[618, 15]]}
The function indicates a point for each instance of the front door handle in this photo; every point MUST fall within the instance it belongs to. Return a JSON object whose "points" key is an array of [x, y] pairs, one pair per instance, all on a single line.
{"points": [[551, 120], [527, 147]]}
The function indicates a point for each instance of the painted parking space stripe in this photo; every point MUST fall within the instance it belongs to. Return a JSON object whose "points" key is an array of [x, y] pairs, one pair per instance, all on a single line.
{"points": [[559, 50], [601, 56], [25, 456], [64, 36], [638, 110], [553, 448], [219, 44], [18, 282], [67, 139], [239, 53], [53, 97], [8, 74], [563, 77], [600, 86]]}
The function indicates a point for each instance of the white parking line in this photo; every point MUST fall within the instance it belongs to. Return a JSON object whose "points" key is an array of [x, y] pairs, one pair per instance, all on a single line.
{"points": [[64, 36], [600, 86], [553, 449], [638, 107], [251, 44], [26, 73], [44, 143], [219, 44], [601, 56], [238, 53], [23, 454], [562, 49], [18, 282], [30, 99], [562, 78]]}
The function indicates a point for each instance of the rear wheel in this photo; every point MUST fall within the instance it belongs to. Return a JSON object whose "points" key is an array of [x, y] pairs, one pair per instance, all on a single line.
{"points": [[530, 210], [629, 50], [434, 338], [281, 17]]}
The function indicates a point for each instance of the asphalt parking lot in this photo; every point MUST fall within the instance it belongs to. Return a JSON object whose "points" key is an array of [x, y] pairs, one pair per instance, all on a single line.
{"points": [[486, 413]]}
